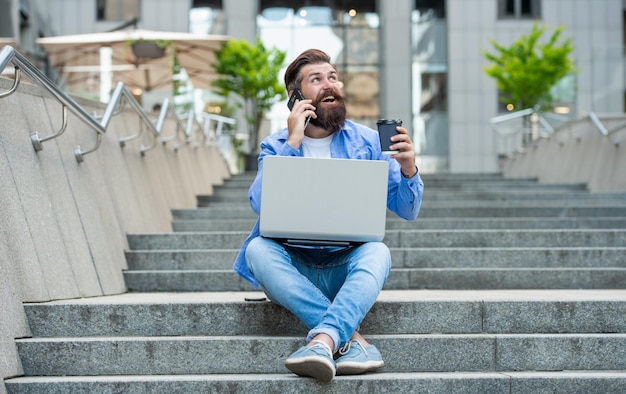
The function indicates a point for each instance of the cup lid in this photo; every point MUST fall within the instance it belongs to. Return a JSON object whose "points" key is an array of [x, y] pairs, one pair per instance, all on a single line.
{"points": [[389, 121]]}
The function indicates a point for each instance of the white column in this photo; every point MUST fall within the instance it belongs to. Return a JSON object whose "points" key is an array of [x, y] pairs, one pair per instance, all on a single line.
{"points": [[241, 19], [395, 59]]}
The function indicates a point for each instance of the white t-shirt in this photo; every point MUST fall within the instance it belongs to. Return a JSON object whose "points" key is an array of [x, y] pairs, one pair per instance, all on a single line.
{"points": [[317, 147]]}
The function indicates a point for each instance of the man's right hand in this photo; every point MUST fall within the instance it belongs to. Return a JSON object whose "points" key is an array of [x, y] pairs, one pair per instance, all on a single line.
{"points": [[296, 122]]}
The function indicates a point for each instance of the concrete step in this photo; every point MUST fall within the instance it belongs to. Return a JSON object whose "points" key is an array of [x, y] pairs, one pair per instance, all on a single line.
{"points": [[399, 279], [236, 211], [456, 182], [501, 184], [404, 239], [588, 382], [182, 355], [193, 225], [184, 281], [469, 177], [229, 314], [241, 190], [199, 259], [239, 201], [225, 194], [581, 257], [510, 257]]}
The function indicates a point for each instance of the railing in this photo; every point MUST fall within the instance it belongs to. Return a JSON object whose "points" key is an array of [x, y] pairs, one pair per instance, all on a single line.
{"points": [[122, 93], [119, 98], [9, 54], [219, 120], [607, 132], [192, 123], [535, 125], [535, 121]]}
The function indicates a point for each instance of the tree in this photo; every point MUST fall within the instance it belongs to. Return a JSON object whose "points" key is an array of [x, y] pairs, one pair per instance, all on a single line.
{"points": [[251, 72], [527, 71]]}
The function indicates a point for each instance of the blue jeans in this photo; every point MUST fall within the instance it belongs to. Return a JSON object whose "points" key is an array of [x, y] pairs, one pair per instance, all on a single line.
{"points": [[331, 291]]}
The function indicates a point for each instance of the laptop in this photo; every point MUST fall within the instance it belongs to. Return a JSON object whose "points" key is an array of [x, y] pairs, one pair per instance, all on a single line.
{"points": [[317, 201]]}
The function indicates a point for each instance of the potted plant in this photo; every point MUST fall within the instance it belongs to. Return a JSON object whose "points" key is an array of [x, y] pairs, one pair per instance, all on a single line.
{"points": [[250, 71], [149, 49]]}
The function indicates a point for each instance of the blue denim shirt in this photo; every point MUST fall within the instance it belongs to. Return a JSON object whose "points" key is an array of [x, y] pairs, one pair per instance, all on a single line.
{"points": [[352, 141]]}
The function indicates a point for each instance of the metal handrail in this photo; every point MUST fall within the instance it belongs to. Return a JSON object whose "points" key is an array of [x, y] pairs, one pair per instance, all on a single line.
{"points": [[221, 120], [512, 115], [617, 128], [121, 94], [16, 80], [589, 117], [596, 121], [119, 98], [496, 120], [606, 132], [165, 110], [192, 121], [9, 54], [155, 129]]}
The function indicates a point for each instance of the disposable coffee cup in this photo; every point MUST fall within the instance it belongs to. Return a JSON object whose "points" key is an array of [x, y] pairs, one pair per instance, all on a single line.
{"points": [[386, 130]]}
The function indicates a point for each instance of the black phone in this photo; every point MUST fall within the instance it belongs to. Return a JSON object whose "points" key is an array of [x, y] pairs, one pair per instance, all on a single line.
{"points": [[296, 95]]}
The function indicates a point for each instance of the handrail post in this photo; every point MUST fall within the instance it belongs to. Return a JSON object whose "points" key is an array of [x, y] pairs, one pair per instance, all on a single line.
{"points": [[34, 136], [16, 82], [596, 121]]}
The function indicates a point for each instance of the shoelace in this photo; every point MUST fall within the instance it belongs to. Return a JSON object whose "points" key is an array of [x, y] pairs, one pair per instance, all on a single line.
{"points": [[346, 348]]}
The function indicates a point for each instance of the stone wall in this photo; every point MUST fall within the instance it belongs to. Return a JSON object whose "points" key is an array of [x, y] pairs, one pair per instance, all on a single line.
{"points": [[63, 224], [577, 152]]}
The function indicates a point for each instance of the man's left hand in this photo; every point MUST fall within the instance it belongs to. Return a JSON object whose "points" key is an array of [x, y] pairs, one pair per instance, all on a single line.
{"points": [[406, 153]]}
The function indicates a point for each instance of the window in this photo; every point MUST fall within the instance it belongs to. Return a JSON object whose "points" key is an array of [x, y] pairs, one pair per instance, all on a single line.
{"points": [[207, 3], [117, 10], [429, 40], [519, 9], [436, 8], [24, 14], [207, 17]]}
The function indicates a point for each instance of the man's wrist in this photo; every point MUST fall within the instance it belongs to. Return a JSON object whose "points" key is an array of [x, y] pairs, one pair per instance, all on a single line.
{"points": [[408, 176]]}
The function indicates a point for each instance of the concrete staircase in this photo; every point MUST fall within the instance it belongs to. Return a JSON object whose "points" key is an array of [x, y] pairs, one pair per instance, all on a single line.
{"points": [[500, 286]]}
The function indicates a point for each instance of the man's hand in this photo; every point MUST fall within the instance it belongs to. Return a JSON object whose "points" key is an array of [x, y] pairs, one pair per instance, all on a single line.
{"points": [[406, 153], [301, 110]]}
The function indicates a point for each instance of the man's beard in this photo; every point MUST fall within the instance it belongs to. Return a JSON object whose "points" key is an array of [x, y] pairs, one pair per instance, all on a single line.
{"points": [[330, 119]]}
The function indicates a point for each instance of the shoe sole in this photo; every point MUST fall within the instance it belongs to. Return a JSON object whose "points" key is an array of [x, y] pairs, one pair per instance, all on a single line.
{"points": [[357, 368], [316, 367]]}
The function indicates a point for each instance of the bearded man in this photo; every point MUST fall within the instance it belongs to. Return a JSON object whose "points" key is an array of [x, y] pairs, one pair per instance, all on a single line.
{"points": [[329, 288]]}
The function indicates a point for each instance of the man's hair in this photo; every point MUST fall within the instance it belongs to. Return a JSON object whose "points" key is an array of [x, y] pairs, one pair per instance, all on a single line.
{"points": [[310, 56]]}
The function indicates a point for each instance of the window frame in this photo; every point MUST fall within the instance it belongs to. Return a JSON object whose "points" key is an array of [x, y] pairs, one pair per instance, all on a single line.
{"points": [[534, 11], [117, 7]]}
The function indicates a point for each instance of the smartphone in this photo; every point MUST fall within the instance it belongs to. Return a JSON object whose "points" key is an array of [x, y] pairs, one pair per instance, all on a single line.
{"points": [[386, 130], [296, 95]]}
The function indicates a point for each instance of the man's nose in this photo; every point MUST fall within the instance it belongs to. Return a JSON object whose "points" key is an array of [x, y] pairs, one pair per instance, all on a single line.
{"points": [[327, 84]]}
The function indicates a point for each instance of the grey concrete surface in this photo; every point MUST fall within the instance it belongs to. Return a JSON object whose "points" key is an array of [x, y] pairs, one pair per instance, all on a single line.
{"points": [[384, 383], [448, 311], [177, 355], [584, 154], [511, 257]]}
